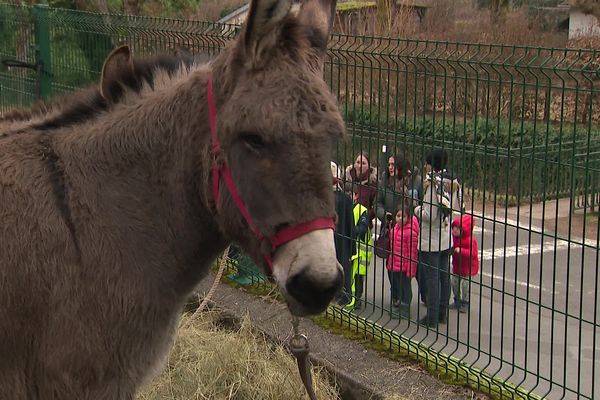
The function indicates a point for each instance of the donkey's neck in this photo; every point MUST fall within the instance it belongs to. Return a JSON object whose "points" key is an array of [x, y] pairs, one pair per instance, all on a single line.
{"points": [[143, 169]]}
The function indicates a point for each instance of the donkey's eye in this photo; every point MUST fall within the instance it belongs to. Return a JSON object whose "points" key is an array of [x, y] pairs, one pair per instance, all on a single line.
{"points": [[254, 141]]}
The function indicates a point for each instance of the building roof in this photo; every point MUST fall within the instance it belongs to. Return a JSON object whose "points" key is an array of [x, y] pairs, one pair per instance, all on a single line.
{"points": [[354, 5], [343, 6], [235, 13], [242, 10]]}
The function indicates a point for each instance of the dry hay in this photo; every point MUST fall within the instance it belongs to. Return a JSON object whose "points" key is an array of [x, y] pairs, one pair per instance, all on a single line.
{"points": [[211, 362]]}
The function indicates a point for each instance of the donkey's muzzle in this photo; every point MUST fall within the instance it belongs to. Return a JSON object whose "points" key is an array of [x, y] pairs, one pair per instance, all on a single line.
{"points": [[311, 294], [307, 272]]}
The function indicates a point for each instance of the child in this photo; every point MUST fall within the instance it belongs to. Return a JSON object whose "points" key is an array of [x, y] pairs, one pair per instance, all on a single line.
{"points": [[364, 249], [402, 262], [465, 261]]}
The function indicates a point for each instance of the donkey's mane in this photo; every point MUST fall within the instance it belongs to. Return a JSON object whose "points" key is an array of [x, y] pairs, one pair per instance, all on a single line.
{"points": [[84, 104]]}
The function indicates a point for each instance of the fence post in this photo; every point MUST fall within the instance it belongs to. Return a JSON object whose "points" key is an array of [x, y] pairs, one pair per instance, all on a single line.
{"points": [[42, 50]]}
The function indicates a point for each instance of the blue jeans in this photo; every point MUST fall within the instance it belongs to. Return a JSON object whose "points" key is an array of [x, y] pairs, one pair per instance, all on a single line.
{"points": [[435, 268]]}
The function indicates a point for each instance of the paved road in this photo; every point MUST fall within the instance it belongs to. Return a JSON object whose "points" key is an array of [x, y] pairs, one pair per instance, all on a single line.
{"points": [[534, 305]]}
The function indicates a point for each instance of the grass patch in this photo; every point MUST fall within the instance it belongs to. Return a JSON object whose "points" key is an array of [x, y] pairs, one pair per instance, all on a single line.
{"points": [[448, 369], [210, 361]]}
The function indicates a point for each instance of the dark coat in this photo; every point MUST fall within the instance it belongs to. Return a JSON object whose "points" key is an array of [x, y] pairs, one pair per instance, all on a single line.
{"points": [[344, 236], [344, 228], [388, 197]]}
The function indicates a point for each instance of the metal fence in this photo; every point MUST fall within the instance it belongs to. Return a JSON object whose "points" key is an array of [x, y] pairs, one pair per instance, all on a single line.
{"points": [[521, 126]]}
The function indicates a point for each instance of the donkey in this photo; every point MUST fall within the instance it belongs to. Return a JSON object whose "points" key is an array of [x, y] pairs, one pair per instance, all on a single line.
{"points": [[108, 224]]}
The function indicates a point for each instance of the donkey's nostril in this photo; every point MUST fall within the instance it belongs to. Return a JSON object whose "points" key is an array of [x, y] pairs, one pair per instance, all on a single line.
{"points": [[312, 293]]}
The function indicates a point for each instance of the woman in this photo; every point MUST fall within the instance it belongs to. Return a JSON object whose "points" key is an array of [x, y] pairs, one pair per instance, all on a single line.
{"points": [[440, 199], [362, 177], [394, 192], [392, 186], [361, 184]]}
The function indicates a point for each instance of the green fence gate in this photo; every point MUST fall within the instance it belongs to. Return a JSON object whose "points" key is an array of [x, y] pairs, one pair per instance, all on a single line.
{"points": [[521, 126]]}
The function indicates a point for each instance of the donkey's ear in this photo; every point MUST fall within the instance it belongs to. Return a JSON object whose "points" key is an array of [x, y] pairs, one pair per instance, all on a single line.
{"points": [[261, 30], [319, 16], [118, 61]]}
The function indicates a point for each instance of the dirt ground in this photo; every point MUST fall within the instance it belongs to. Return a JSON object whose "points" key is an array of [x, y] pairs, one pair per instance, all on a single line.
{"points": [[379, 377]]}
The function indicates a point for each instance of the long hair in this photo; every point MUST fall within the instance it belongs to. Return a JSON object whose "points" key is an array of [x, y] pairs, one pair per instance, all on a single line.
{"points": [[405, 206]]}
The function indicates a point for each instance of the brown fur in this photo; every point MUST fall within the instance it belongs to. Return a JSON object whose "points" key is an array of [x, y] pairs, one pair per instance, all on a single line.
{"points": [[108, 223]]}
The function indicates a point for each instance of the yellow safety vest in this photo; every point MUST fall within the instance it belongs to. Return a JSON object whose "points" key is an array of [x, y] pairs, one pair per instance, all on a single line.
{"points": [[364, 253]]}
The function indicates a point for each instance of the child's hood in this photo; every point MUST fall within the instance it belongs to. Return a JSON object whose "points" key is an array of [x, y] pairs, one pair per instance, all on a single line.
{"points": [[466, 223]]}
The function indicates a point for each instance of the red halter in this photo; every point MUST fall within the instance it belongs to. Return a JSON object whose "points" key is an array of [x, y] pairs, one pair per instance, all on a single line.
{"points": [[222, 171]]}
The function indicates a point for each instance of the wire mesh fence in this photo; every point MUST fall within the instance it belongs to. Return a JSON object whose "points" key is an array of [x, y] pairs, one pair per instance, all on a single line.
{"points": [[521, 130]]}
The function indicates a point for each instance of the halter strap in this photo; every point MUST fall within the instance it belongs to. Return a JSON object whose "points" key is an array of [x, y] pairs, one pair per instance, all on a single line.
{"points": [[221, 171], [288, 234]]}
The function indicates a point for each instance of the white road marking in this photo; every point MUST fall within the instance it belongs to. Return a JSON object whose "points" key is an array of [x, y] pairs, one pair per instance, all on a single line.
{"points": [[525, 249], [491, 221]]}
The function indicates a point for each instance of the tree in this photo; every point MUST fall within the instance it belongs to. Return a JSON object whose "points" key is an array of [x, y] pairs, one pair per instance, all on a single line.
{"points": [[131, 7], [499, 10], [384, 10]]}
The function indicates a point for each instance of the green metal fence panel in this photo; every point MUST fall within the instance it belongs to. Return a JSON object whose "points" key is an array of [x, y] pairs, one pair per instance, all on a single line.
{"points": [[76, 44], [42, 48], [521, 127], [17, 85]]}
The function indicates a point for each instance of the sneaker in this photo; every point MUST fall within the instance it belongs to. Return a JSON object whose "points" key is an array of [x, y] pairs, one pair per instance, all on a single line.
{"points": [[464, 308], [395, 303], [343, 302], [455, 306], [350, 305]]}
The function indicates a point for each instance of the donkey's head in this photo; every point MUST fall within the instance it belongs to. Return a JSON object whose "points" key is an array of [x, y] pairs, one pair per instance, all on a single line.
{"points": [[278, 124]]}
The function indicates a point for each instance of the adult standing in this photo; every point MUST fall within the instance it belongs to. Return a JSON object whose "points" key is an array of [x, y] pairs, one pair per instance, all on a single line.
{"points": [[441, 197], [396, 189], [397, 182], [344, 234], [361, 183]]}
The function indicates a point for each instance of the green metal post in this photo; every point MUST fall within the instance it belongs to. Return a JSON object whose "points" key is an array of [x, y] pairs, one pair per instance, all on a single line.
{"points": [[42, 50]]}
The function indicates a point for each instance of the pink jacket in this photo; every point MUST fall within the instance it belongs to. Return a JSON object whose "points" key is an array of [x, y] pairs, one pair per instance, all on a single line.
{"points": [[465, 259], [404, 246]]}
